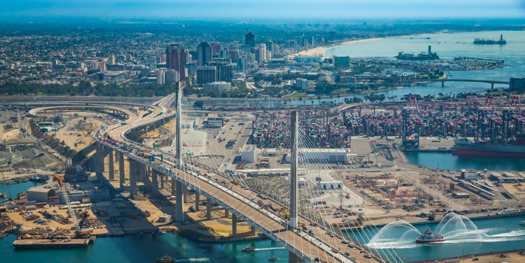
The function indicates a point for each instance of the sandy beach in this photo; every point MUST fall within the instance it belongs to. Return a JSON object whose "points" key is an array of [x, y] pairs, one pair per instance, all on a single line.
{"points": [[319, 51]]}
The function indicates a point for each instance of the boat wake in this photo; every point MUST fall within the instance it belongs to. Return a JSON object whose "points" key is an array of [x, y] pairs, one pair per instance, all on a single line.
{"points": [[457, 238], [192, 260], [455, 228], [269, 248]]}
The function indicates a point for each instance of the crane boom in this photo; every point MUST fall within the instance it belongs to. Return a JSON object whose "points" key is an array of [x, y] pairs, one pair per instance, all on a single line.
{"points": [[78, 230], [68, 203]]}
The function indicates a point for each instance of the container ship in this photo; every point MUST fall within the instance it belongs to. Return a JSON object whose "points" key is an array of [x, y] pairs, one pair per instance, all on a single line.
{"points": [[501, 41], [464, 147]]}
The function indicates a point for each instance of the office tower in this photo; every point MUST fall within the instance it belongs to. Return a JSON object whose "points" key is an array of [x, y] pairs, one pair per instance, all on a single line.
{"points": [[176, 59], [275, 49], [191, 68], [268, 55], [204, 53], [305, 43], [234, 54], [242, 64], [249, 39], [224, 53], [161, 76], [172, 76], [224, 72], [112, 60], [260, 53], [269, 45], [206, 74], [215, 47]]}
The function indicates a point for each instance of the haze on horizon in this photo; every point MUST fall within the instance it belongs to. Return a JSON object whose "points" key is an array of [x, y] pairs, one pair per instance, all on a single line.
{"points": [[257, 9]]}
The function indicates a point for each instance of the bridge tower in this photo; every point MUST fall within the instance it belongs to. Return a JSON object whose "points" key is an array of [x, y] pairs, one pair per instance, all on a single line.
{"points": [[293, 170], [179, 206]]}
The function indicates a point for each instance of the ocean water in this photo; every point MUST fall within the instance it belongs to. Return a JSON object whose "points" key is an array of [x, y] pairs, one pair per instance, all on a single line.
{"points": [[448, 46]]}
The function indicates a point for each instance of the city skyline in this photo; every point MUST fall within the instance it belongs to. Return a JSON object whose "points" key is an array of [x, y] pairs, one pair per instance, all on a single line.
{"points": [[207, 9]]}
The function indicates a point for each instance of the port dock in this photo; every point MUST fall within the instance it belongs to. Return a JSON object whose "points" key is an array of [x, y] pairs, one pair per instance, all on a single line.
{"points": [[52, 243]]}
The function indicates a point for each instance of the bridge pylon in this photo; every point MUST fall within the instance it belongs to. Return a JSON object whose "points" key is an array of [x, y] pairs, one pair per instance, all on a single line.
{"points": [[179, 205], [293, 170]]}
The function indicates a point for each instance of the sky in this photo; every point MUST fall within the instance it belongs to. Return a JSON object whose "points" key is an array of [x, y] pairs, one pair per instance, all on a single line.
{"points": [[260, 9]]}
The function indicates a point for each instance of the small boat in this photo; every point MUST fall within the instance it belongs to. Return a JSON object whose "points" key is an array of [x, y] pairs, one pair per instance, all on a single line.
{"points": [[84, 231], [429, 237], [248, 249], [165, 259], [38, 178], [522, 223], [273, 259]]}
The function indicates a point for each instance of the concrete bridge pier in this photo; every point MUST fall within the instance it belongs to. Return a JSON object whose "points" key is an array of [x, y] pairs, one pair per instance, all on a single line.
{"points": [[208, 209], [111, 166], [162, 181], [293, 258], [226, 213], [99, 161], [442, 83], [179, 203], [121, 170], [185, 193], [197, 201], [492, 85], [133, 174], [154, 182], [234, 225]]}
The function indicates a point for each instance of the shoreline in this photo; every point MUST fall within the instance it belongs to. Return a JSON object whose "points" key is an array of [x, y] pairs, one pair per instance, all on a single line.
{"points": [[320, 50]]}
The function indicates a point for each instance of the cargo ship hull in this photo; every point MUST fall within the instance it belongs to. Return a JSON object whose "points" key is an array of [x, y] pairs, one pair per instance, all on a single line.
{"points": [[489, 150]]}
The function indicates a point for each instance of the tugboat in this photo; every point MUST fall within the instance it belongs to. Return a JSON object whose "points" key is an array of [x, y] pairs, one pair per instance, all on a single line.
{"points": [[429, 237], [84, 231], [165, 259], [248, 249], [273, 259]]}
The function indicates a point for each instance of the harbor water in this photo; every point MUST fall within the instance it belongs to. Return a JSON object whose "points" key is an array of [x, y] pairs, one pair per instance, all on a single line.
{"points": [[447, 161], [493, 235]]}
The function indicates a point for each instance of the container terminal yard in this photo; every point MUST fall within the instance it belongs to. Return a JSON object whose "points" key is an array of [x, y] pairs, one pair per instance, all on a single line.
{"points": [[116, 162]]}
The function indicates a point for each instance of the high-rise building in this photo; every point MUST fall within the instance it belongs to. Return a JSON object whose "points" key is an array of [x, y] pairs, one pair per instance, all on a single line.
{"points": [[224, 72], [260, 53], [176, 59], [191, 68], [215, 47], [242, 64], [269, 45], [249, 39], [234, 54], [224, 53], [161, 76], [206, 74], [204, 54], [172, 76], [275, 49]]}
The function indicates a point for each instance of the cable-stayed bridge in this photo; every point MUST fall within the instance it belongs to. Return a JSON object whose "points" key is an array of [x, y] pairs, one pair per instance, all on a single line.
{"points": [[284, 212]]}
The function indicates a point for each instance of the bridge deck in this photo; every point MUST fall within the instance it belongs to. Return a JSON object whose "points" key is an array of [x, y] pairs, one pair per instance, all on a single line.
{"points": [[242, 202]]}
